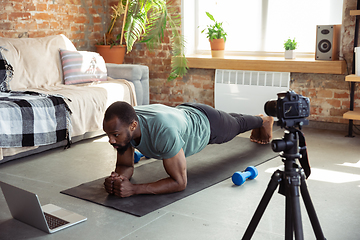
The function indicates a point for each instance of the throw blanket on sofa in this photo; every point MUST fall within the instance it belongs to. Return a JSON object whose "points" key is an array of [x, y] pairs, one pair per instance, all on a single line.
{"points": [[33, 119]]}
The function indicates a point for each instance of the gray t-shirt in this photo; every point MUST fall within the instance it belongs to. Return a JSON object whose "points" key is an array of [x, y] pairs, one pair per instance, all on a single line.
{"points": [[165, 130]]}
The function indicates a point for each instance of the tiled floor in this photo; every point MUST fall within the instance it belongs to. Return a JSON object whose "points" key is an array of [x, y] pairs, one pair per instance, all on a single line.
{"points": [[222, 211]]}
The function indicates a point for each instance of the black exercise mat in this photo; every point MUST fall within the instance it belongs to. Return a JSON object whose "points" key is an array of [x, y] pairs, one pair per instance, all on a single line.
{"points": [[212, 165]]}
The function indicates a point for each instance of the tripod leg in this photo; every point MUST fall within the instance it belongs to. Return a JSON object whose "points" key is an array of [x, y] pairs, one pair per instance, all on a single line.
{"points": [[294, 184], [310, 209], [274, 182], [289, 223]]}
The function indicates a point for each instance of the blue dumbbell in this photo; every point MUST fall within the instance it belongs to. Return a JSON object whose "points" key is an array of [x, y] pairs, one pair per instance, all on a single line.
{"points": [[239, 178], [138, 155]]}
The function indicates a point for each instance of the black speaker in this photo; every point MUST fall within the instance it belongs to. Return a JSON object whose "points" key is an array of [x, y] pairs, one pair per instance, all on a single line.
{"points": [[327, 42]]}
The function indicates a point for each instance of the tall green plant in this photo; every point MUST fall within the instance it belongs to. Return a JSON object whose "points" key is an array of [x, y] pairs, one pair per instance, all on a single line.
{"points": [[147, 21]]}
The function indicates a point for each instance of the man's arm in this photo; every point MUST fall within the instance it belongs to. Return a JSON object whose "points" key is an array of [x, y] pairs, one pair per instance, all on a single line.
{"points": [[125, 163], [124, 167], [177, 180]]}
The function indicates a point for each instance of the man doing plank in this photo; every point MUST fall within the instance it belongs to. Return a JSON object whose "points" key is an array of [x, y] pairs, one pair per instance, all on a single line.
{"points": [[170, 134]]}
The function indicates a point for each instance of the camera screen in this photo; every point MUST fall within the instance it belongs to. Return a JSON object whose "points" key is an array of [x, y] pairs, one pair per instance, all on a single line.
{"points": [[291, 110]]}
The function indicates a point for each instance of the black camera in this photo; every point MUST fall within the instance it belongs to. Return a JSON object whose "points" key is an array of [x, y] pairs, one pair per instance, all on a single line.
{"points": [[290, 108]]}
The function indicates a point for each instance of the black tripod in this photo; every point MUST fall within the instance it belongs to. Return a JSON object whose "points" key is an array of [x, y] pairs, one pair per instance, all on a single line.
{"points": [[290, 180]]}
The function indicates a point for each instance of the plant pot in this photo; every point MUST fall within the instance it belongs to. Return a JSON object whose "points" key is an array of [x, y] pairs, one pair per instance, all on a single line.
{"points": [[115, 54], [289, 54], [217, 47]]}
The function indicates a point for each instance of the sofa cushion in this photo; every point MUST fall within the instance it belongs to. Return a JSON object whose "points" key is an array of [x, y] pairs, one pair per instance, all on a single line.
{"points": [[6, 72], [36, 61], [82, 67]]}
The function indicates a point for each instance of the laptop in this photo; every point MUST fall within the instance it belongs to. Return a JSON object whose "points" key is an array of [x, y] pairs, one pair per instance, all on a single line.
{"points": [[25, 207]]}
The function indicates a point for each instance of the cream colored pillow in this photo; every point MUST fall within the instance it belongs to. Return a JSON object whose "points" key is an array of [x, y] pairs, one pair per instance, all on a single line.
{"points": [[36, 61]]}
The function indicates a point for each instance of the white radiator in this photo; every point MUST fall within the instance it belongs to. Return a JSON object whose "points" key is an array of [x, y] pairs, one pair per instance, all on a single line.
{"points": [[246, 92]]}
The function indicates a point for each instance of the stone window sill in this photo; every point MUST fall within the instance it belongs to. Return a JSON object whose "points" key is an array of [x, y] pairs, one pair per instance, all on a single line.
{"points": [[271, 64]]}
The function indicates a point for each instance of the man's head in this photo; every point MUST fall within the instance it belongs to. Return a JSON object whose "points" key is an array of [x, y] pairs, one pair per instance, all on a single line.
{"points": [[120, 122]]}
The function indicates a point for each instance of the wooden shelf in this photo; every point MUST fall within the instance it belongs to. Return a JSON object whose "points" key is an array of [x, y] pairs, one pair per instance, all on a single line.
{"points": [[272, 64], [352, 115], [354, 12], [352, 78]]}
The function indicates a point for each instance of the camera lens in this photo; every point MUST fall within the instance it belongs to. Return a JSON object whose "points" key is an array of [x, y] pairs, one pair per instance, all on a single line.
{"points": [[270, 108]]}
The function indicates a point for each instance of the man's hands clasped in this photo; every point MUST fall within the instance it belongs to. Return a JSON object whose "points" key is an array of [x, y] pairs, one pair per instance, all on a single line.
{"points": [[119, 185]]}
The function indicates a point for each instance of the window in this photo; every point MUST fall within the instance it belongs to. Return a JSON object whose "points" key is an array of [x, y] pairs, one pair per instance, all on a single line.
{"points": [[259, 27]]}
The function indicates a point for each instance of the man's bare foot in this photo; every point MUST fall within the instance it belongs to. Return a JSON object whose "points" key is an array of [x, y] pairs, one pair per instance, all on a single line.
{"points": [[263, 135], [255, 135]]}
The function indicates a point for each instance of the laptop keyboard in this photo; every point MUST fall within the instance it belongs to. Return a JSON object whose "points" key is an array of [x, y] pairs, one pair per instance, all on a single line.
{"points": [[54, 222]]}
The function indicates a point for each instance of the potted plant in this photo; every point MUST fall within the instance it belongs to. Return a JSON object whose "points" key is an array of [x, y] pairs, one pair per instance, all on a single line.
{"points": [[290, 46], [147, 21], [217, 37], [112, 50]]}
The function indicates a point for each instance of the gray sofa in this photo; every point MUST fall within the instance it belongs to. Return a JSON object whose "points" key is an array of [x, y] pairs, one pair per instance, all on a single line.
{"points": [[137, 74], [38, 68]]}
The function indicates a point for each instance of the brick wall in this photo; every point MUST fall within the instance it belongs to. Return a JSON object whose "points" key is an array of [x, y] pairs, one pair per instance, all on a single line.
{"points": [[329, 95], [84, 22], [196, 86]]}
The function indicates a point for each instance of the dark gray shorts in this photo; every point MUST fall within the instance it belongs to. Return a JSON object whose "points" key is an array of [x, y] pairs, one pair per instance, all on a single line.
{"points": [[225, 126]]}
